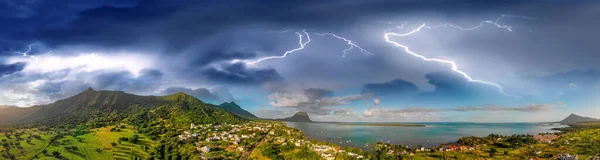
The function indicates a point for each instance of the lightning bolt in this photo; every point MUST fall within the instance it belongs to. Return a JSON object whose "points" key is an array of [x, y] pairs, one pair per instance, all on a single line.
{"points": [[26, 53], [301, 42], [453, 65], [352, 45]]}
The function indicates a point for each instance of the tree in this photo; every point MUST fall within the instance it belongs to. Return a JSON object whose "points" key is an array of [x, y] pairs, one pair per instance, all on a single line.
{"points": [[134, 139], [56, 154], [113, 144], [493, 151], [44, 151]]}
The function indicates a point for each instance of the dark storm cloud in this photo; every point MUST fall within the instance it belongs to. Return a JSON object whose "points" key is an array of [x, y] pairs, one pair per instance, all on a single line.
{"points": [[574, 85], [395, 87], [223, 56], [148, 80], [315, 101], [194, 40], [239, 73], [179, 23], [215, 95], [11, 68], [316, 93], [200, 93], [452, 87], [448, 87], [24, 21]]}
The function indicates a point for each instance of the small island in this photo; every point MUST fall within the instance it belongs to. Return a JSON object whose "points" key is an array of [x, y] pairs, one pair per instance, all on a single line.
{"points": [[382, 124]]}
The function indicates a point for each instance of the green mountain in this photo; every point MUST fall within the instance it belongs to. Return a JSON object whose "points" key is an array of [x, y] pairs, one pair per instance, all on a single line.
{"points": [[237, 110], [298, 117], [573, 118], [100, 108], [11, 114]]}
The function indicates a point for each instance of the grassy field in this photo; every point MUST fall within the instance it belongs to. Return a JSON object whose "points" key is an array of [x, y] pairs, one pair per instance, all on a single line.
{"points": [[93, 145]]}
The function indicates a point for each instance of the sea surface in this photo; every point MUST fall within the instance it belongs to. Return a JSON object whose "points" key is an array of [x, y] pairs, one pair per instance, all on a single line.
{"points": [[433, 134]]}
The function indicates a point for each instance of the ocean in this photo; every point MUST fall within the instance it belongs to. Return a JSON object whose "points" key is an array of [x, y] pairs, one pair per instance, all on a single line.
{"points": [[433, 134]]}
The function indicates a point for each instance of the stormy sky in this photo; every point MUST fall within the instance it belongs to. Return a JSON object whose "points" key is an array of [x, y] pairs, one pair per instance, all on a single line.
{"points": [[514, 61]]}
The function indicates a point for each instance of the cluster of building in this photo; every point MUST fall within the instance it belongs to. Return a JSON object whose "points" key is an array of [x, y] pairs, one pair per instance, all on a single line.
{"points": [[545, 138], [325, 151], [405, 150], [228, 137]]}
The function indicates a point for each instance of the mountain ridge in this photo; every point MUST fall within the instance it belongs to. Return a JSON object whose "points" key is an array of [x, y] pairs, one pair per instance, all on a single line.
{"points": [[237, 110], [99, 108], [573, 118]]}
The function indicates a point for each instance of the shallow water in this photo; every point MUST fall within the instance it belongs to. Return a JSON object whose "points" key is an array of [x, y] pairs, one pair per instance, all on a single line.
{"points": [[432, 134]]}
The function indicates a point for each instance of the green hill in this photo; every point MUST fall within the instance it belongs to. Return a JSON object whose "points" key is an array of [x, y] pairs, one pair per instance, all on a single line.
{"points": [[180, 110], [237, 110], [102, 108]]}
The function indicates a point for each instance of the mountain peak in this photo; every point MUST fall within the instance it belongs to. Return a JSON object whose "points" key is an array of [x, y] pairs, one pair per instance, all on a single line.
{"points": [[301, 114], [89, 89], [573, 118], [236, 109], [298, 117]]}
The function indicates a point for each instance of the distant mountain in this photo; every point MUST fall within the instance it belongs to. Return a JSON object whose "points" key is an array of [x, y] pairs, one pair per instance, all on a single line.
{"points": [[573, 118], [12, 114], [237, 110], [109, 107], [298, 117]]}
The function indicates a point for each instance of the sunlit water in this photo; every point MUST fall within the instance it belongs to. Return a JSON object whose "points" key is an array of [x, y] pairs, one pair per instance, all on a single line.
{"points": [[432, 134]]}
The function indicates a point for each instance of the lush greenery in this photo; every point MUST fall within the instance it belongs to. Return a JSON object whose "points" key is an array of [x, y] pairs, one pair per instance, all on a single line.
{"points": [[98, 143], [75, 127], [117, 125]]}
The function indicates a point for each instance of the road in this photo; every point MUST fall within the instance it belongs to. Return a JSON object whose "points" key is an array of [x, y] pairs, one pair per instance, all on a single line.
{"points": [[249, 152]]}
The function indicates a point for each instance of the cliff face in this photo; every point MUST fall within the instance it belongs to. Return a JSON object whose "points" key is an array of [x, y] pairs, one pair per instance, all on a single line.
{"points": [[237, 110], [298, 117], [573, 118]]}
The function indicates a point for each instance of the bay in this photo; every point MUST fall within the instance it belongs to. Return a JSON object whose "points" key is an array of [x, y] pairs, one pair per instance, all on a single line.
{"points": [[430, 135]]}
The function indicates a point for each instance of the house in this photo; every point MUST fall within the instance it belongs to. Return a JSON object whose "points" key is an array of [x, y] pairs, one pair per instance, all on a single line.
{"points": [[453, 147], [545, 138], [205, 149], [568, 157]]}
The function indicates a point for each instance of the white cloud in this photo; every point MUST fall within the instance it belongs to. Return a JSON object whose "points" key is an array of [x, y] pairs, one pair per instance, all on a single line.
{"points": [[88, 62]]}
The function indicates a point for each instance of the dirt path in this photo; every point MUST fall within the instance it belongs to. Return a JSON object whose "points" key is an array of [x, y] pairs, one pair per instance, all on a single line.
{"points": [[247, 154]]}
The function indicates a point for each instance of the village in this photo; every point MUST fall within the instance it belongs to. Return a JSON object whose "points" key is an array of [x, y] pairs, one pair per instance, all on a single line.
{"points": [[238, 140], [225, 139]]}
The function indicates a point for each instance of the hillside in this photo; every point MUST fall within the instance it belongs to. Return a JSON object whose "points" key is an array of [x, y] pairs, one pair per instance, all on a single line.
{"points": [[298, 117], [573, 118], [237, 110], [11, 114], [101, 108], [180, 110]]}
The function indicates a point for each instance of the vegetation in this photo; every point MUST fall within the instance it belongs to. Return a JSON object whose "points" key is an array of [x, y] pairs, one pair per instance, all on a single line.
{"points": [[117, 125]]}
